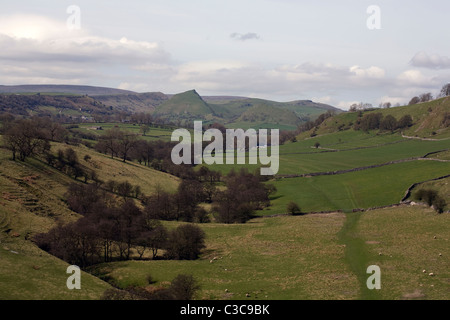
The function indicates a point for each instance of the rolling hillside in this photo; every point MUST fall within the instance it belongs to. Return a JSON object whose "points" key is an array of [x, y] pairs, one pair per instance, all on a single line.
{"points": [[351, 188], [430, 119], [134, 102], [93, 103], [33, 200]]}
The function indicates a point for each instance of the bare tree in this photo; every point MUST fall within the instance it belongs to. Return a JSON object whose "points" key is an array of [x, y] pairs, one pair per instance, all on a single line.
{"points": [[110, 141], [445, 91], [125, 143], [425, 97], [144, 129], [25, 138]]}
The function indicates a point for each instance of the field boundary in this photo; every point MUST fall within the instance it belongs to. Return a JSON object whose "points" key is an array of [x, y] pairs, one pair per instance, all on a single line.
{"points": [[424, 139], [326, 150], [330, 173], [409, 190]]}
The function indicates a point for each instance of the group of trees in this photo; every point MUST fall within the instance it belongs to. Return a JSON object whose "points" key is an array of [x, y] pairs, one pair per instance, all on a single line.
{"points": [[361, 106], [428, 96], [117, 143], [129, 147], [244, 193], [424, 97], [29, 137], [67, 161], [112, 228], [183, 205], [373, 121]]}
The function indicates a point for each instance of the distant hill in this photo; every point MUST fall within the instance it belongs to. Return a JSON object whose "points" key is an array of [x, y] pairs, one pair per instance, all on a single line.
{"points": [[61, 104], [67, 89], [134, 102], [247, 112], [187, 106], [430, 119]]}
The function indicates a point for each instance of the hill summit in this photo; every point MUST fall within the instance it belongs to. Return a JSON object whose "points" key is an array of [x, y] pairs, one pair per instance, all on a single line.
{"points": [[186, 105]]}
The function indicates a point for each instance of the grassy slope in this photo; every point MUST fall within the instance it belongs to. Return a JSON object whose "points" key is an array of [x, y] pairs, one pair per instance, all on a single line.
{"points": [[403, 242], [187, 104], [311, 257], [32, 201], [155, 133], [116, 169], [427, 118]]}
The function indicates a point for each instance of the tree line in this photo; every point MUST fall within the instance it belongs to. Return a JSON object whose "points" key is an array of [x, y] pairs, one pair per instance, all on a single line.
{"points": [[114, 228], [373, 121], [29, 137], [244, 193], [428, 96]]}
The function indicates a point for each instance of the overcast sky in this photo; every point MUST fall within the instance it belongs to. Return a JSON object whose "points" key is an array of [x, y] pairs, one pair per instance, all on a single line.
{"points": [[336, 52]]}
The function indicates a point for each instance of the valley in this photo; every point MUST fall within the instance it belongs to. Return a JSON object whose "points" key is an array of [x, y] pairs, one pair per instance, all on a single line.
{"points": [[356, 189]]}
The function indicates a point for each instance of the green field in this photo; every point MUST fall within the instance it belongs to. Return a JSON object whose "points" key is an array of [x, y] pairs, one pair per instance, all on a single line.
{"points": [[408, 244], [154, 133], [344, 150], [319, 257], [292, 163], [278, 258], [361, 189]]}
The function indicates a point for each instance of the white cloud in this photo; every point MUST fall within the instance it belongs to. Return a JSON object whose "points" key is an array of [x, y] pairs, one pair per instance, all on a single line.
{"points": [[50, 52], [433, 61], [372, 72], [415, 77]]}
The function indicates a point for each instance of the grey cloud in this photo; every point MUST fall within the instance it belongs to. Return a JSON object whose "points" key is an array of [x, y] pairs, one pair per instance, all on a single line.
{"points": [[434, 61], [90, 50], [77, 60], [245, 37]]}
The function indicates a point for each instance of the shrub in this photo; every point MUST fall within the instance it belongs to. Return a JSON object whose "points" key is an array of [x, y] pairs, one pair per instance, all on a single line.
{"points": [[439, 204], [185, 242], [183, 287], [293, 208], [432, 198], [427, 195], [405, 121]]}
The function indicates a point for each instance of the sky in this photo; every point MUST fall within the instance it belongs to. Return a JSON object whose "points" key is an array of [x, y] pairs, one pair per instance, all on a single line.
{"points": [[334, 52]]}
